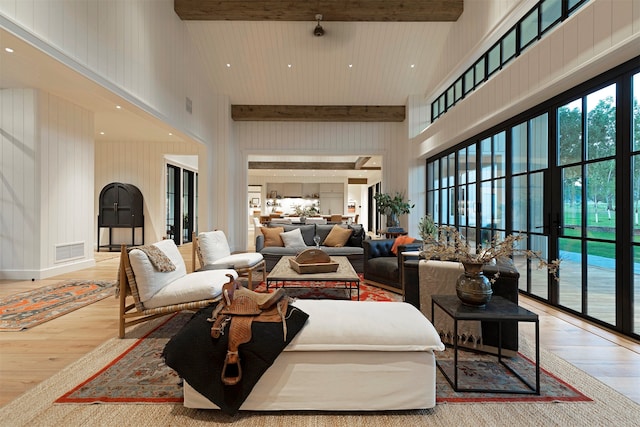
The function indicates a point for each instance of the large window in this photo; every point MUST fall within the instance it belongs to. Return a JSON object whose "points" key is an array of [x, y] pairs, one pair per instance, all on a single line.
{"points": [[544, 16], [564, 175], [635, 195]]}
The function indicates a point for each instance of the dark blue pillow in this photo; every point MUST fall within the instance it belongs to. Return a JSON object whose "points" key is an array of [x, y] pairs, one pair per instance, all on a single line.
{"points": [[357, 236]]}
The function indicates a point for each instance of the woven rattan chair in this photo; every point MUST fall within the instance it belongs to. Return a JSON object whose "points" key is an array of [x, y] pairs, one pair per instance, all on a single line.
{"points": [[133, 313]]}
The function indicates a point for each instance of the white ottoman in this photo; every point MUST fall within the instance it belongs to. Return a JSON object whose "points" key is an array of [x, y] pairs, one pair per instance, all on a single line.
{"points": [[349, 356]]}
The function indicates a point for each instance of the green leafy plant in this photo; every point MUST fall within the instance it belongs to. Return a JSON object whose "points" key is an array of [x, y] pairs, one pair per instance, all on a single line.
{"points": [[427, 228], [392, 206], [305, 211]]}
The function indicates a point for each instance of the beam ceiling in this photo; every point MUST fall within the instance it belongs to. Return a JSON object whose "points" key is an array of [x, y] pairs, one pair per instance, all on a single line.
{"points": [[357, 165], [331, 10], [318, 113]]}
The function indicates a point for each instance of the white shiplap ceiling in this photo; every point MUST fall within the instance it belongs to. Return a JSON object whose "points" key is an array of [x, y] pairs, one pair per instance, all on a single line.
{"points": [[389, 61]]}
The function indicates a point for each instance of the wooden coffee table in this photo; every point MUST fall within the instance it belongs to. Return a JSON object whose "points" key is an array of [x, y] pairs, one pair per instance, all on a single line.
{"points": [[345, 277]]}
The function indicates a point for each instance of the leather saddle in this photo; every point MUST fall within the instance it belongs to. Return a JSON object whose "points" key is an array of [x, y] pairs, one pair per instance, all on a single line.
{"points": [[240, 307]]}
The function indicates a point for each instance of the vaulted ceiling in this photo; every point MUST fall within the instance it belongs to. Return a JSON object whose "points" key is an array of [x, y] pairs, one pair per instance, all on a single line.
{"points": [[374, 53]]}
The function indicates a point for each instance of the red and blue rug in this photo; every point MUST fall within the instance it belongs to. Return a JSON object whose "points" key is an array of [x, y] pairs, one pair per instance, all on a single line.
{"points": [[30, 308], [139, 375], [332, 290]]}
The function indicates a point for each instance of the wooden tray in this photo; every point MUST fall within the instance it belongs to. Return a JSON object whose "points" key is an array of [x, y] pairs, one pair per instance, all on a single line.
{"points": [[323, 267]]}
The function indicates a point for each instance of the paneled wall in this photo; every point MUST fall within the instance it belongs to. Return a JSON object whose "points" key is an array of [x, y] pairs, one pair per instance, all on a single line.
{"points": [[320, 138], [143, 164], [47, 184], [19, 201], [139, 49], [600, 36]]}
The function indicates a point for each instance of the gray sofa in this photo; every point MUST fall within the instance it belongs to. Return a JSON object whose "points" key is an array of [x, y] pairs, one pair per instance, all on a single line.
{"points": [[352, 250]]}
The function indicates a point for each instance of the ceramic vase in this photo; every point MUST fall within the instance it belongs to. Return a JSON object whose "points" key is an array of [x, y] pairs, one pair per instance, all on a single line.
{"points": [[472, 287]]}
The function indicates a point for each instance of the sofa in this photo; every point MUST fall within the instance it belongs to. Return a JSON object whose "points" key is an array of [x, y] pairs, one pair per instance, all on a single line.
{"points": [[352, 248], [382, 266]]}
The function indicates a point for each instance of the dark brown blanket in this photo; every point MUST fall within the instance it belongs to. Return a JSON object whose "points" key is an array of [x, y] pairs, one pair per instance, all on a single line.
{"points": [[198, 358]]}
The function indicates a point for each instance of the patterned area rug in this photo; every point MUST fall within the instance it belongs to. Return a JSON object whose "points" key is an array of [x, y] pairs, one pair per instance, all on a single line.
{"points": [[330, 290], [482, 371], [31, 308], [139, 375]]}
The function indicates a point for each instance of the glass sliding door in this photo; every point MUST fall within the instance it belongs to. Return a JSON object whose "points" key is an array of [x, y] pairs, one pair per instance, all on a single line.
{"points": [[529, 163], [635, 198], [173, 204], [188, 205], [567, 176], [587, 228]]}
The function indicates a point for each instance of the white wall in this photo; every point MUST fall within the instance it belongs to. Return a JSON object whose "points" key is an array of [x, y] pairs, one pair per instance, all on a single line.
{"points": [[19, 184], [143, 164], [139, 49], [47, 183], [324, 138], [598, 37]]}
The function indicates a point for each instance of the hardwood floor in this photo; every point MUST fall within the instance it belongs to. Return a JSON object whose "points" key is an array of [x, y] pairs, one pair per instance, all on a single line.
{"points": [[32, 356]]}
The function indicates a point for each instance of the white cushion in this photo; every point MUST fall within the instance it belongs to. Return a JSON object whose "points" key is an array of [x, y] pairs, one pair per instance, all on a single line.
{"points": [[213, 246], [293, 239], [364, 325], [148, 279], [195, 286], [243, 260]]}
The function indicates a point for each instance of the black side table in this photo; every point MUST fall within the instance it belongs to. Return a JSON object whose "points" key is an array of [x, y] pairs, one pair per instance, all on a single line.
{"points": [[497, 310]]}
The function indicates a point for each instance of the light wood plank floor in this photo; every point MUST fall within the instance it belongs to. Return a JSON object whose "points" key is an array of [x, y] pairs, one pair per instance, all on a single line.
{"points": [[32, 356]]}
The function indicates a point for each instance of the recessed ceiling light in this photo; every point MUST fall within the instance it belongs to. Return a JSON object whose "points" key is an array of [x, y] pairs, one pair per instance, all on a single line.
{"points": [[413, 65], [8, 49], [170, 134], [228, 65], [118, 107], [101, 133], [289, 65], [350, 65]]}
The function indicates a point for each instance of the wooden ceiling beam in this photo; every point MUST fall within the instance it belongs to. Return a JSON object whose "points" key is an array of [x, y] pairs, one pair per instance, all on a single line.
{"points": [[308, 165], [361, 161], [331, 10], [318, 113]]}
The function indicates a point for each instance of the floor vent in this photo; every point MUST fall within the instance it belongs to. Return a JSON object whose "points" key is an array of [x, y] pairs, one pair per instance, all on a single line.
{"points": [[68, 251]]}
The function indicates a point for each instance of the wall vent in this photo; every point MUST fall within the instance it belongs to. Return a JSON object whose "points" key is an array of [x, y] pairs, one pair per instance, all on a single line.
{"points": [[69, 251], [189, 105]]}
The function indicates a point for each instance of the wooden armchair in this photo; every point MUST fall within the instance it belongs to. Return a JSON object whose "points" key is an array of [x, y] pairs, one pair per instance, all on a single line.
{"points": [[178, 291]]}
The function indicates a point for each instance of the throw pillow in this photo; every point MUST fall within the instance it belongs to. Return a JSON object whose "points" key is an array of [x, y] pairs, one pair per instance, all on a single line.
{"points": [[357, 237], [293, 239], [401, 240], [337, 237], [272, 236]]}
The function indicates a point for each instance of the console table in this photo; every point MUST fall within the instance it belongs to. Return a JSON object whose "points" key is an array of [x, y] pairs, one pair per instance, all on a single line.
{"points": [[497, 310]]}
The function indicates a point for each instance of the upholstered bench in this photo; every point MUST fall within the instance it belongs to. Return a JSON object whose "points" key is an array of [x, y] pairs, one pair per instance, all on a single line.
{"points": [[348, 356]]}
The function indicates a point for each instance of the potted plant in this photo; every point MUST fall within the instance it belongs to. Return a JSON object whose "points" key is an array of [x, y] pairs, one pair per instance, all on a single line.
{"points": [[392, 206], [472, 287], [427, 228]]}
